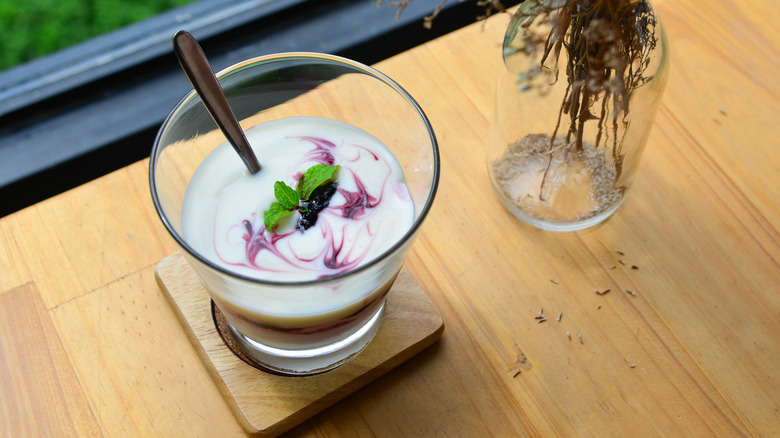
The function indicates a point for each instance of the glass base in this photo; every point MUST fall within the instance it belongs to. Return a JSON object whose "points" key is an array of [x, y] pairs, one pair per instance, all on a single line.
{"points": [[559, 226], [314, 360]]}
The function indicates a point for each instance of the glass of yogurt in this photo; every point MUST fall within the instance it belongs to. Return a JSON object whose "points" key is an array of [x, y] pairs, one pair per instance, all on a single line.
{"points": [[302, 291]]}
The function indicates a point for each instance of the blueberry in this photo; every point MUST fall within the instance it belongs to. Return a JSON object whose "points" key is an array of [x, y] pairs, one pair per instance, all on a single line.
{"points": [[318, 201], [305, 222]]}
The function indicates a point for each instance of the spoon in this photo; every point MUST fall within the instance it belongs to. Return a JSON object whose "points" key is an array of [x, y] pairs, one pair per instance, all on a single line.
{"points": [[195, 65]]}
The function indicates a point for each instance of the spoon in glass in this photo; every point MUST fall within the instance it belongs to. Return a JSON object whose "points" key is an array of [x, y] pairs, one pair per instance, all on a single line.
{"points": [[195, 65]]}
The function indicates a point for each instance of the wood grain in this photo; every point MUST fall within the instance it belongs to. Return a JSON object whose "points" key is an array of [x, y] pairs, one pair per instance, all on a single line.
{"points": [[135, 364], [693, 353], [40, 393]]}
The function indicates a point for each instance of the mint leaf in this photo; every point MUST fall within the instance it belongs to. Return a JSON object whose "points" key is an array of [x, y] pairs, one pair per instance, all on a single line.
{"points": [[316, 176], [273, 214], [290, 199], [286, 195]]}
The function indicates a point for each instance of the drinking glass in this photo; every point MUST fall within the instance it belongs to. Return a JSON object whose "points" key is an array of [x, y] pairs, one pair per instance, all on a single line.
{"points": [[312, 326]]}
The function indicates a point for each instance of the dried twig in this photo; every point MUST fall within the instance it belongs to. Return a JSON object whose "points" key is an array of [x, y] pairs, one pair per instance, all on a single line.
{"points": [[600, 73]]}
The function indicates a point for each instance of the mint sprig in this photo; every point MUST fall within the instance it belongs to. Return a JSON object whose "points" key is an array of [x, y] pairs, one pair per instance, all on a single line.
{"points": [[316, 176], [274, 213], [288, 199], [287, 196]]}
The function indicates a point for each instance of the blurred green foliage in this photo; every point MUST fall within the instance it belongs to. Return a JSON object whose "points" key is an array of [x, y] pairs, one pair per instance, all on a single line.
{"points": [[33, 28]]}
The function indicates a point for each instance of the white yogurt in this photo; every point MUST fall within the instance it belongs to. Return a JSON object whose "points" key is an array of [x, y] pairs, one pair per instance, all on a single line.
{"points": [[222, 213]]}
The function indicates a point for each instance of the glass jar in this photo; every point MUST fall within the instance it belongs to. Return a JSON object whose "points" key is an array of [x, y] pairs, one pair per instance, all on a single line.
{"points": [[577, 92]]}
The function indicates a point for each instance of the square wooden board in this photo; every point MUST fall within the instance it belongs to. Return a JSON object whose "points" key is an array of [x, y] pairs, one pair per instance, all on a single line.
{"points": [[267, 404]]}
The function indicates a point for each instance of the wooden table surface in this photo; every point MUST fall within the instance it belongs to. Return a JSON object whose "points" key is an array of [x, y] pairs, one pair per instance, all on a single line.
{"points": [[89, 346]]}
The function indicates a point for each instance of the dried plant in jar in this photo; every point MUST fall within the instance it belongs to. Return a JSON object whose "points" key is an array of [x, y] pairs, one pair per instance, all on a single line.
{"points": [[585, 81], [566, 141], [607, 44]]}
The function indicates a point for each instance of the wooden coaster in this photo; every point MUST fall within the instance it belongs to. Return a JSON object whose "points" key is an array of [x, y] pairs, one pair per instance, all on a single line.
{"points": [[267, 404]]}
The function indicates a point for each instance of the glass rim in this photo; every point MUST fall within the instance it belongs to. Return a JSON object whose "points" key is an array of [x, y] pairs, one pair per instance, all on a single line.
{"points": [[362, 68]]}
